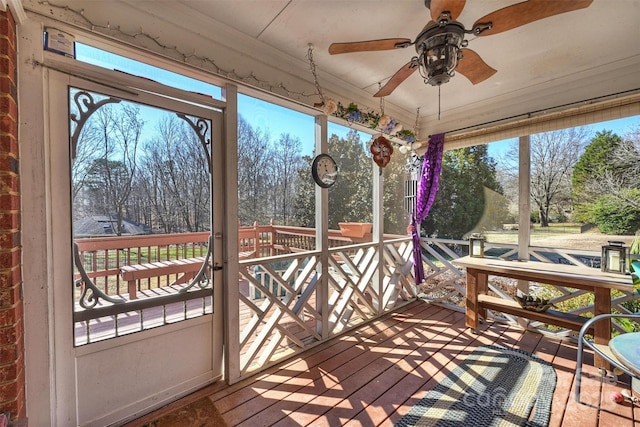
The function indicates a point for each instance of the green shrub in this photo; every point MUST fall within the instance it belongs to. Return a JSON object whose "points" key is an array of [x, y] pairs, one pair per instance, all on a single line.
{"points": [[535, 217], [613, 215], [566, 306]]}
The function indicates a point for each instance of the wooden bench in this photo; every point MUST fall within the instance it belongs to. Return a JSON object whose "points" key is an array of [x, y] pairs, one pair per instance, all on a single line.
{"points": [[551, 317], [185, 269], [570, 276]]}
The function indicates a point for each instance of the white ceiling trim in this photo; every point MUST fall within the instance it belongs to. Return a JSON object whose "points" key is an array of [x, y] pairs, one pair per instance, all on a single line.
{"points": [[15, 6], [551, 62], [244, 46], [526, 100], [243, 57]]}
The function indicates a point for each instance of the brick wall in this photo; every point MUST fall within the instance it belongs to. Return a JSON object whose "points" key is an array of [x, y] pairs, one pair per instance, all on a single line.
{"points": [[12, 381]]}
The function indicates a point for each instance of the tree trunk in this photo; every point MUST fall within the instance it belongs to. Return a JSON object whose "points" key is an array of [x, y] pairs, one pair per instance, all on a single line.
{"points": [[544, 217]]}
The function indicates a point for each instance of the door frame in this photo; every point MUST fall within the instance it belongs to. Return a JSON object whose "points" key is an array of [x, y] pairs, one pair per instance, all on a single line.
{"points": [[63, 357]]}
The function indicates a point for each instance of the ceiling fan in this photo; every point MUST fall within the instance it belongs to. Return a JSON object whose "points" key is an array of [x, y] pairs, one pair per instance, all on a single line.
{"points": [[441, 47]]}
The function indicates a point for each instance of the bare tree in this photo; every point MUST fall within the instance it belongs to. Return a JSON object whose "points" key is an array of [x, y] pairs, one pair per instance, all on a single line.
{"points": [[553, 155], [622, 173], [112, 173], [86, 152], [287, 161], [189, 179], [153, 178], [628, 157], [175, 177], [254, 174]]}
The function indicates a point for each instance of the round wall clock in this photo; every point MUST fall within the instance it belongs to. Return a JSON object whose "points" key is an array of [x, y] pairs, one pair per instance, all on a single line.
{"points": [[324, 170]]}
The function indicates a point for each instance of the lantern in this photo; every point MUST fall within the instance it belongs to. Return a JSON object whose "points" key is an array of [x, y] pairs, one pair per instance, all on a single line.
{"points": [[476, 245], [614, 258]]}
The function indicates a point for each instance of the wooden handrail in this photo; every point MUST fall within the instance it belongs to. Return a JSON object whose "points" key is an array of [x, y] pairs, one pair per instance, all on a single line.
{"points": [[104, 257], [141, 240]]}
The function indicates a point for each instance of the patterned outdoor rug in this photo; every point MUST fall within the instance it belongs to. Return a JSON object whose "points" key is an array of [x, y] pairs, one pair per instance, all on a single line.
{"points": [[494, 386]]}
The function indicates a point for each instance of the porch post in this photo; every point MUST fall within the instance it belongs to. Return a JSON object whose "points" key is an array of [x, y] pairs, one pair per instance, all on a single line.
{"points": [[524, 204], [231, 292], [378, 230], [322, 234]]}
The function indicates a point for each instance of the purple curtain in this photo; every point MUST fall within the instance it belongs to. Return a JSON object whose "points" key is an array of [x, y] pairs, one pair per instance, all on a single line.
{"points": [[427, 190]]}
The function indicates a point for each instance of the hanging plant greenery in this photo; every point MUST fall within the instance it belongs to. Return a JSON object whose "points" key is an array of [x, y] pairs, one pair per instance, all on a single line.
{"points": [[385, 124], [406, 135], [353, 114]]}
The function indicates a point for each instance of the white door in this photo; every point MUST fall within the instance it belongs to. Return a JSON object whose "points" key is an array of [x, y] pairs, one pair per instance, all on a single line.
{"points": [[125, 161]]}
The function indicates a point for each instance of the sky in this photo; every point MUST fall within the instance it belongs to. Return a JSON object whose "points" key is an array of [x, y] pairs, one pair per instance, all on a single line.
{"points": [[276, 120]]}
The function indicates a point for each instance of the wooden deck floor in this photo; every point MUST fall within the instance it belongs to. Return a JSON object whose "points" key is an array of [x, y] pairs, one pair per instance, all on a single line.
{"points": [[375, 374]]}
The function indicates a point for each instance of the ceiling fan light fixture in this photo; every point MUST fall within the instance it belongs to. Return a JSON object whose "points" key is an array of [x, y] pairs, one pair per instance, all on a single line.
{"points": [[439, 51]]}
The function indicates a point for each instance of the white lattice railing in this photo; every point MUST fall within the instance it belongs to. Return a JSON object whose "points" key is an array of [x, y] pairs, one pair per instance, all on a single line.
{"points": [[445, 283], [281, 298]]}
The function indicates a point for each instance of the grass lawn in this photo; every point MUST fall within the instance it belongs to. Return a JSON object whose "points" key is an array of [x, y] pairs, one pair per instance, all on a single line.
{"points": [[565, 236]]}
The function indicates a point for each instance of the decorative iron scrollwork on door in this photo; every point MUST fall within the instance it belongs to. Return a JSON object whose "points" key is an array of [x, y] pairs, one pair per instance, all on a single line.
{"points": [[86, 105], [202, 128]]}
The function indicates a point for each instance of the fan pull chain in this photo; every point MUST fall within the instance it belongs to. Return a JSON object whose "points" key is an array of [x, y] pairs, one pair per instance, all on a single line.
{"points": [[381, 100], [415, 125], [439, 86]]}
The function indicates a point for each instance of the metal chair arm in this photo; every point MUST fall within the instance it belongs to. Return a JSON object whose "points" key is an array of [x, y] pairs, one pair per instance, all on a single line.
{"points": [[582, 341], [599, 317]]}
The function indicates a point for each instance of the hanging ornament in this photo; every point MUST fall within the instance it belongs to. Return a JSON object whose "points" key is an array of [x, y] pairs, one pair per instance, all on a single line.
{"points": [[382, 150]]}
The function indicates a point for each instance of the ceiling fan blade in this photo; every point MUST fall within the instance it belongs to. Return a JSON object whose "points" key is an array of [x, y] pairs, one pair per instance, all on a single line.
{"points": [[452, 6], [367, 46], [526, 12], [401, 75], [473, 67]]}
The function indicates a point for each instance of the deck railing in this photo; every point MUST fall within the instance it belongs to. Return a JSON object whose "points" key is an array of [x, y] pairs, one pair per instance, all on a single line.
{"points": [[119, 280], [283, 308], [103, 257], [105, 304]]}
